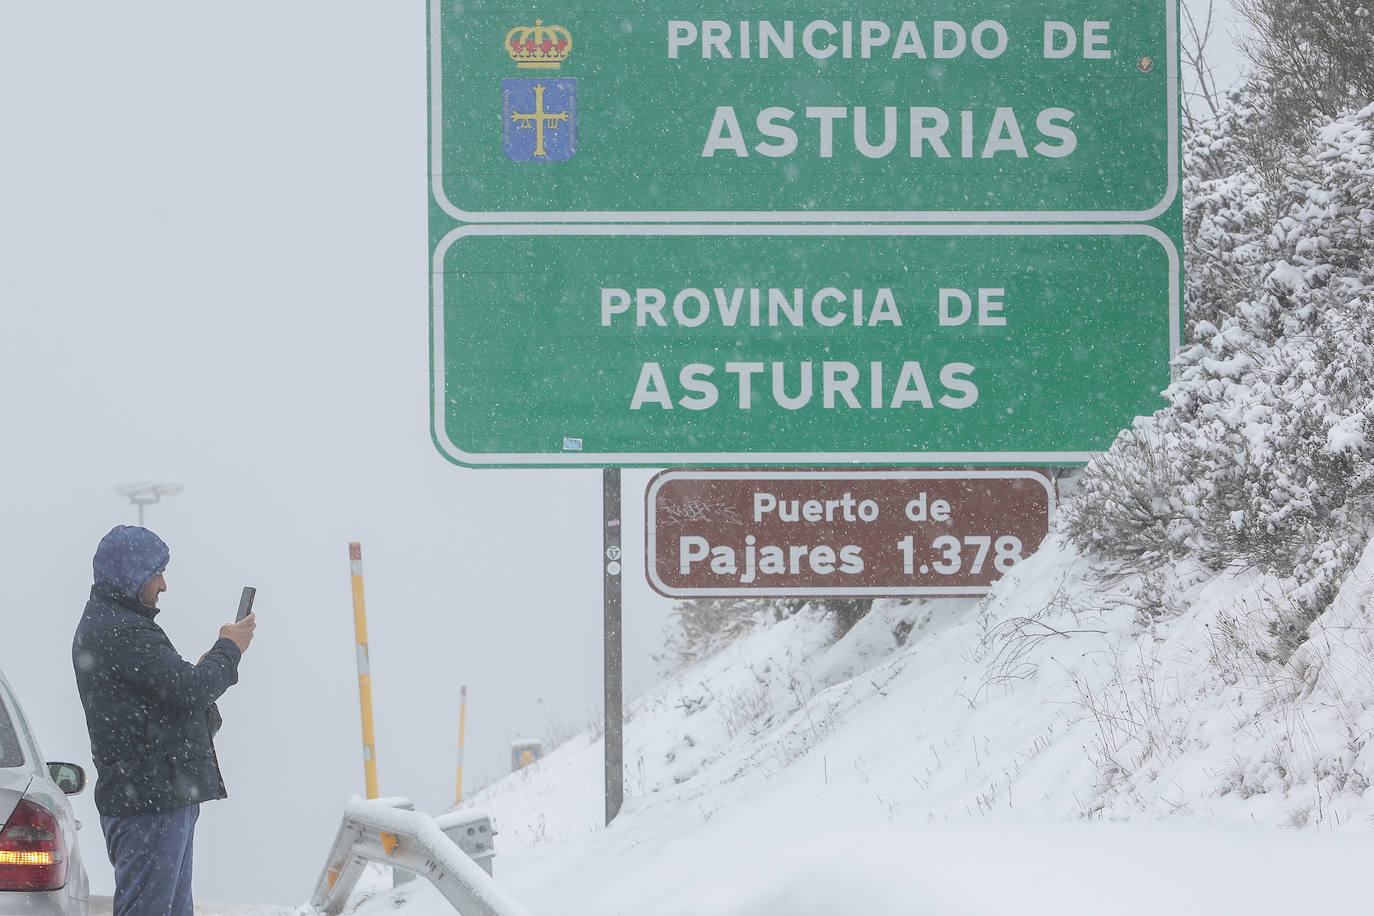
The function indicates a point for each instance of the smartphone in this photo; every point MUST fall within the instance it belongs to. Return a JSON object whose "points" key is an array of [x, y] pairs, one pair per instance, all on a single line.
{"points": [[246, 602]]}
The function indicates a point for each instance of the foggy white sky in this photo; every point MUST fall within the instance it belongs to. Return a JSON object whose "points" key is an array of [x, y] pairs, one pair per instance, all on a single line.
{"points": [[213, 265], [1227, 29], [213, 268]]}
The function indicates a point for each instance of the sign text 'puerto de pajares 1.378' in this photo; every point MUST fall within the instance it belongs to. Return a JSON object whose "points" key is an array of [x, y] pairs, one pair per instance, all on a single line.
{"points": [[847, 533]]}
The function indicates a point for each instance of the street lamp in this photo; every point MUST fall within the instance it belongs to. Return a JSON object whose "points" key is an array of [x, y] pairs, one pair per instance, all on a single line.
{"points": [[146, 492]]}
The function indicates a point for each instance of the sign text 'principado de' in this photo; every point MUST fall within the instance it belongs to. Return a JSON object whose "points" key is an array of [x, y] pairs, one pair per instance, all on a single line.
{"points": [[862, 111]]}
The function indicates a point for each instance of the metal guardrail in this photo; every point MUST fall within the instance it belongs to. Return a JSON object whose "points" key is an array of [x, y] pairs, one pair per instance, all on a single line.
{"points": [[384, 832]]}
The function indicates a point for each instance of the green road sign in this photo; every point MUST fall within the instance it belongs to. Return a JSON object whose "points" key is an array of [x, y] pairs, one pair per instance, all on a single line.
{"points": [[674, 345], [1063, 110]]}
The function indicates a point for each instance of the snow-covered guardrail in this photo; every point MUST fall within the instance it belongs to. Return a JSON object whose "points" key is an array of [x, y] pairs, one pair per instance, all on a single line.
{"points": [[383, 831]]}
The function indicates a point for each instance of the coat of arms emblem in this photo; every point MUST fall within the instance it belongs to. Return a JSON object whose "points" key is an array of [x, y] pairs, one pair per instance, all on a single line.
{"points": [[539, 115]]}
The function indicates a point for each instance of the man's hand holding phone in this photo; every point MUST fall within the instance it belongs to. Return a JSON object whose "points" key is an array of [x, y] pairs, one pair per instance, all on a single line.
{"points": [[240, 632]]}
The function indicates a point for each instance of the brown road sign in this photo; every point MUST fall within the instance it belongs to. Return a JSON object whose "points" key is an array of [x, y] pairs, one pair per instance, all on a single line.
{"points": [[842, 533]]}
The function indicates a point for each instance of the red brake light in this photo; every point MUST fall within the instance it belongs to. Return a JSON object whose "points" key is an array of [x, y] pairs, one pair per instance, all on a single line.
{"points": [[31, 851]]}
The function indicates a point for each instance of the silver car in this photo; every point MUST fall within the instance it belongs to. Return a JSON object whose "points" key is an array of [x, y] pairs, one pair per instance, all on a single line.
{"points": [[40, 859]]}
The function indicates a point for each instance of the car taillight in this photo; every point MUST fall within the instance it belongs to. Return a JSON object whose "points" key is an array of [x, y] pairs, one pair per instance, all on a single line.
{"points": [[31, 851]]}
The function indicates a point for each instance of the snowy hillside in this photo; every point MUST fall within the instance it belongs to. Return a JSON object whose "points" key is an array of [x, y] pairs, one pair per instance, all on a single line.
{"points": [[1139, 718], [792, 773]]}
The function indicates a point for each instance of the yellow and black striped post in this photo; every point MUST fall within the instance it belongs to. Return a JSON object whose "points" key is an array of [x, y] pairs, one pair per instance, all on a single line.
{"points": [[462, 724], [355, 562]]}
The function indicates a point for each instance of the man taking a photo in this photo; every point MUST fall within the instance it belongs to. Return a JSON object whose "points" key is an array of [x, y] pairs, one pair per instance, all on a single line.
{"points": [[151, 720]]}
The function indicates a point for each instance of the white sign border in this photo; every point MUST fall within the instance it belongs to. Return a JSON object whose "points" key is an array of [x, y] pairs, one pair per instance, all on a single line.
{"points": [[441, 197], [651, 525], [439, 397]]}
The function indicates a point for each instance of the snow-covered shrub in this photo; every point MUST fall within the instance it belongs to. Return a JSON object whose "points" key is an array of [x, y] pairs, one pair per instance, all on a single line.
{"points": [[1314, 58], [701, 626], [1263, 456], [845, 612], [1227, 213]]}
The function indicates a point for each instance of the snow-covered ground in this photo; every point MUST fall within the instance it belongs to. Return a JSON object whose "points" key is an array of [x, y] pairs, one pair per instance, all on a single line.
{"points": [[103, 906], [1084, 740]]}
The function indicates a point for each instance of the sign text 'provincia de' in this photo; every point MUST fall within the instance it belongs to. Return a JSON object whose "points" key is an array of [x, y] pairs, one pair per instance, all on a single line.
{"points": [[712, 345]]}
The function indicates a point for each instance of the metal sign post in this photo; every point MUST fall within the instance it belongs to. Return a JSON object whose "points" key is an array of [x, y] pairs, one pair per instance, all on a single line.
{"points": [[462, 727], [611, 587]]}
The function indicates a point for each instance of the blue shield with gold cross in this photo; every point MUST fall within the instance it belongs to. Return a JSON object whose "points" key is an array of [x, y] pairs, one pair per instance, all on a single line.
{"points": [[539, 118]]}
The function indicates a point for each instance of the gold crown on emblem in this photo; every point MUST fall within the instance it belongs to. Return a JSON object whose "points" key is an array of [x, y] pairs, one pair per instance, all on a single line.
{"points": [[539, 45]]}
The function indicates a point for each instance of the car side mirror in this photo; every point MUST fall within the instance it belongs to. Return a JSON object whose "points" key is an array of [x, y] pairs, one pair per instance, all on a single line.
{"points": [[70, 778]]}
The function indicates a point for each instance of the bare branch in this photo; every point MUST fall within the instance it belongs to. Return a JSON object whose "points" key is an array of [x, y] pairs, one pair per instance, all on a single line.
{"points": [[1202, 83]]}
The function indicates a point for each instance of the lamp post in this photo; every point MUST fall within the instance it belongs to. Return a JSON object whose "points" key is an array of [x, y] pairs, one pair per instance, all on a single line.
{"points": [[146, 492]]}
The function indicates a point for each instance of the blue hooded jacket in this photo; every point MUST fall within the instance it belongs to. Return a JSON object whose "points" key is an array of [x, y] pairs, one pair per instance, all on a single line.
{"points": [[128, 557], [146, 706]]}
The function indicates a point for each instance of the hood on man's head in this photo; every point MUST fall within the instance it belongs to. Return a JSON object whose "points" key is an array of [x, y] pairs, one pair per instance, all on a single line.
{"points": [[128, 557]]}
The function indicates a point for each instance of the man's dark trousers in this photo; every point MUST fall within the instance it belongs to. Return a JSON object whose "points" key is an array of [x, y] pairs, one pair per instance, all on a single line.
{"points": [[151, 854]]}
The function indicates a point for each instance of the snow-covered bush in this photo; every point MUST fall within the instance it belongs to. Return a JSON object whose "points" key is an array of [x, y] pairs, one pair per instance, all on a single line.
{"points": [[702, 626], [1314, 60], [1263, 456]]}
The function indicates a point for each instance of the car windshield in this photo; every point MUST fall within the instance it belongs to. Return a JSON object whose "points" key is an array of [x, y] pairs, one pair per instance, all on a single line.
{"points": [[11, 751]]}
